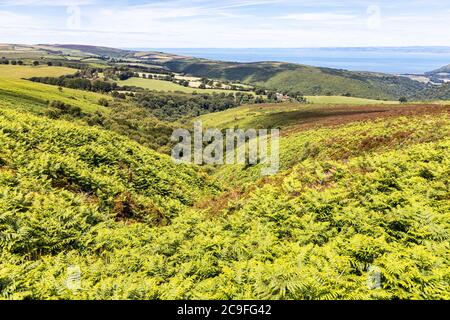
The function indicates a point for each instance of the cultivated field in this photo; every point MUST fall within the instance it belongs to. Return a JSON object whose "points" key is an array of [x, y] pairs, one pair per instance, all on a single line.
{"points": [[19, 72], [167, 86]]}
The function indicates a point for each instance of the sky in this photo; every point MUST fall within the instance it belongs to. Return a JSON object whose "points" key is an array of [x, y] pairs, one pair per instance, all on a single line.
{"points": [[226, 24]]}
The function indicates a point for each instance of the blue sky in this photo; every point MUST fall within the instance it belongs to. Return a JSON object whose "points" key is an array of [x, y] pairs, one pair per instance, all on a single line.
{"points": [[244, 24]]}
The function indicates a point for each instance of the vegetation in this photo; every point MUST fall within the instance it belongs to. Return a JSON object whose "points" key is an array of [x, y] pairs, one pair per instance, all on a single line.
{"points": [[441, 92], [77, 83], [322, 232], [138, 123], [359, 210], [309, 141], [345, 100], [308, 80]]}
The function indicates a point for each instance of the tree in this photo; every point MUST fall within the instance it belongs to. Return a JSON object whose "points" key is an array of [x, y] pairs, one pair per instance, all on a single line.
{"points": [[49, 63], [403, 100], [35, 63]]}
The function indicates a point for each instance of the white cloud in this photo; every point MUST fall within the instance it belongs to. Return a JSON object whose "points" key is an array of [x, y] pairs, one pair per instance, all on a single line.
{"points": [[200, 23], [323, 16], [42, 3]]}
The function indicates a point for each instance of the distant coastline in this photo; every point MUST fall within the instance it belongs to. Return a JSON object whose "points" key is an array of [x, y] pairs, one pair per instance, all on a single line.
{"points": [[395, 60]]}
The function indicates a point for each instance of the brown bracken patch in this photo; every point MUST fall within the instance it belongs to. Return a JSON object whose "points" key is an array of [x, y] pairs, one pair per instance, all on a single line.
{"points": [[339, 115]]}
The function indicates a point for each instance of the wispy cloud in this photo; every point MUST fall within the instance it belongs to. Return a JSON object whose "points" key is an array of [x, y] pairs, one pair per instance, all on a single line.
{"points": [[228, 23], [322, 16], [46, 3]]}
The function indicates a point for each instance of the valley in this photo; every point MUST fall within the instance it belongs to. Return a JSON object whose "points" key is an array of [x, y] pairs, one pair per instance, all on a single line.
{"points": [[86, 180]]}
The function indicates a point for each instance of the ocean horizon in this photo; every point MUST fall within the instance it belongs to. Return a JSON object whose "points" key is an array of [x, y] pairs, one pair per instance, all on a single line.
{"points": [[396, 60]]}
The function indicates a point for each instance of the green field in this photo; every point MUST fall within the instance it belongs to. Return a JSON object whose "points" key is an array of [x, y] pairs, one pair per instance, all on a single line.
{"points": [[19, 93], [167, 86], [19, 72], [274, 115], [245, 116], [345, 100]]}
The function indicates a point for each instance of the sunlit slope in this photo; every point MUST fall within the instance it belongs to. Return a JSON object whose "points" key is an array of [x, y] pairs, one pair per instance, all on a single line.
{"points": [[88, 171], [23, 94], [20, 72], [287, 115], [370, 228], [345, 100], [168, 86], [345, 135]]}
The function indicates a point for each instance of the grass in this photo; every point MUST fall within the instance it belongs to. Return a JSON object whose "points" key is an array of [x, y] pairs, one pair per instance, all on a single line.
{"points": [[23, 94], [167, 86], [275, 115], [345, 100], [342, 140], [19, 72], [243, 116]]}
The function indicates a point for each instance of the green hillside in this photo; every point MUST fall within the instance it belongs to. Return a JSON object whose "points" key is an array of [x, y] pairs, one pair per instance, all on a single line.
{"points": [[92, 207], [305, 79], [329, 135], [94, 50], [86, 198], [96, 168]]}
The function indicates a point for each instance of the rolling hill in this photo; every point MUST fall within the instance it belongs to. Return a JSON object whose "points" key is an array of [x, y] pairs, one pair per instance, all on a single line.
{"points": [[89, 210], [277, 76], [299, 78], [137, 226]]}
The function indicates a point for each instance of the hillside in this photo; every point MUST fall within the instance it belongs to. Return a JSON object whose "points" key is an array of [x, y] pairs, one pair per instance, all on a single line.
{"points": [[440, 92], [305, 79], [94, 50], [444, 69], [92, 168], [277, 76], [123, 216], [91, 208]]}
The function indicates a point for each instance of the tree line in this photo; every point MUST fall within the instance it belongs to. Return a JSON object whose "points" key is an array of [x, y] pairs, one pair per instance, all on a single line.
{"points": [[74, 82]]}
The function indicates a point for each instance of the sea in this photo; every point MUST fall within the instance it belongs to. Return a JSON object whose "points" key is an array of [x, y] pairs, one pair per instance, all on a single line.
{"points": [[395, 60]]}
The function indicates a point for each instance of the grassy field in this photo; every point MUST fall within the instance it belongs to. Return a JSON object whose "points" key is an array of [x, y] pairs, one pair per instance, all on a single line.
{"points": [[345, 100], [244, 116], [279, 114], [18, 93], [19, 72], [167, 86]]}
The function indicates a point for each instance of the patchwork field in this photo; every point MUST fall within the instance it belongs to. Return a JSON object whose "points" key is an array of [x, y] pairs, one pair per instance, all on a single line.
{"points": [[167, 86]]}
